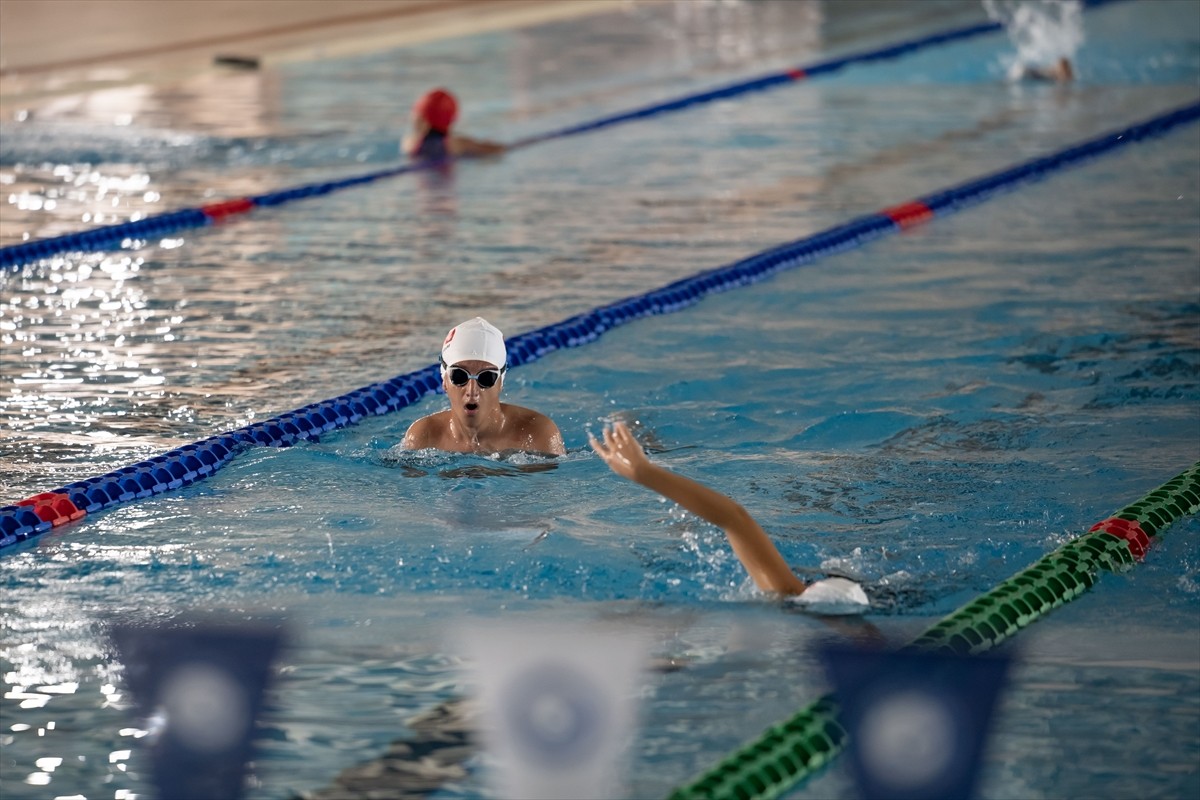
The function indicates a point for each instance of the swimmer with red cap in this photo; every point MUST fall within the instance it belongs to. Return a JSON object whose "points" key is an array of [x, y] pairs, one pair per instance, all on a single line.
{"points": [[474, 361], [431, 139]]}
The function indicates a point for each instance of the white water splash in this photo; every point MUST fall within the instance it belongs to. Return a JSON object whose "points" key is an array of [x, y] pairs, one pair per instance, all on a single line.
{"points": [[1042, 31]]}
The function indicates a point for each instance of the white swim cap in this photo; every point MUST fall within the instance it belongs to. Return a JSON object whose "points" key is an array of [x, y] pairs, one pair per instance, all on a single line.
{"points": [[834, 596], [475, 340]]}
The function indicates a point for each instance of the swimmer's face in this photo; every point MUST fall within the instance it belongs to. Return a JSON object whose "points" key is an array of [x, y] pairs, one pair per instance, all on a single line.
{"points": [[472, 400]]}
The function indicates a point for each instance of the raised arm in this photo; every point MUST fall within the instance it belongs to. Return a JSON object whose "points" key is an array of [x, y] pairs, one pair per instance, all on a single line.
{"points": [[758, 554]]}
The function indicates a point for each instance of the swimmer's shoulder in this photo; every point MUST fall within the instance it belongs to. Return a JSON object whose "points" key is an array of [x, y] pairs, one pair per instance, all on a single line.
{"points": [[464, 146], [426, 432], [541, 431], [527, 417]]}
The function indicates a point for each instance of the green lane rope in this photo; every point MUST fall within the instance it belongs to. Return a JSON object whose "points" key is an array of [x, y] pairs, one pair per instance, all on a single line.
{"points": [[794, 750]]}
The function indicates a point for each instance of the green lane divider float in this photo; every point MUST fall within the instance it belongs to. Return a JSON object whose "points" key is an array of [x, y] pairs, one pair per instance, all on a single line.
{"points": [[788, 753]]}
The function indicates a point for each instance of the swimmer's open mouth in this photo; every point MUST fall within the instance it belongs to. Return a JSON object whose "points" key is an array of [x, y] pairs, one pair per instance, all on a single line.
{"points": [[472, 406]]}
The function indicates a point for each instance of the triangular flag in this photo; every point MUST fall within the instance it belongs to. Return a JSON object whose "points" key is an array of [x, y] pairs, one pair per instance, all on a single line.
{"points": [[557, 708], [917, 721], [200, 688]]}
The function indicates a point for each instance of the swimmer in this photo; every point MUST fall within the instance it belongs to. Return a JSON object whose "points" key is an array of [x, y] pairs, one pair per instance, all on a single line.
{"points": [[431, 139], [758, 554], [1060, 72], [474, 361]]}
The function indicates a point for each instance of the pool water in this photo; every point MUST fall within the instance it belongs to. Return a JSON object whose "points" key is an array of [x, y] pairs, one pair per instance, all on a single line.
{"points": [[929, 413]]}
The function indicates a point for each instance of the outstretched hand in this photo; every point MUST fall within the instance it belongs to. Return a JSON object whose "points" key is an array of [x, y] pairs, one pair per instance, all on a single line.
{"points": [[620, 451]]}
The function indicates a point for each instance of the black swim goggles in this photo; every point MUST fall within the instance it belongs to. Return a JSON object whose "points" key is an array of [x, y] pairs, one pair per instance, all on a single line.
{"points": [[486, 378]]}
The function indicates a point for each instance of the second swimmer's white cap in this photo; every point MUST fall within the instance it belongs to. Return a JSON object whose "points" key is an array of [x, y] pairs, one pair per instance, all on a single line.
{"points": [[834, 596], [475, 340]]}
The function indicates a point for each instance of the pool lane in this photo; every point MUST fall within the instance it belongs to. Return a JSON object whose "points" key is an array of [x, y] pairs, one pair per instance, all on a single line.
{"points": [[194, 462]]}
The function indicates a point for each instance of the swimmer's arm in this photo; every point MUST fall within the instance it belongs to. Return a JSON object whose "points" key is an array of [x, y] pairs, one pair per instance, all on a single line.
{"points": [[465, 146], [544, 437], [409, 145], [556, 445], [538, 432], [412, 140], [552, 437], [750, 542], [1061, 71]]}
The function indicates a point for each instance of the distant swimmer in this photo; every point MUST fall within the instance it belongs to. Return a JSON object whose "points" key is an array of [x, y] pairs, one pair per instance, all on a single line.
{"points": [[753, 547], [431, 139], [473, 362], [1060, 71]]}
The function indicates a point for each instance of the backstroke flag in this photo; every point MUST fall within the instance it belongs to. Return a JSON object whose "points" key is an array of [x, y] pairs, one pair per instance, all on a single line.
{"points": [[199, 687], [556, 707], [917, 721]]}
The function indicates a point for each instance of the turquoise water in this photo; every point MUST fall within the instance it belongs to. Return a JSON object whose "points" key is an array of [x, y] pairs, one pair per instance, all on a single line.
{"points": [[930, 413]]}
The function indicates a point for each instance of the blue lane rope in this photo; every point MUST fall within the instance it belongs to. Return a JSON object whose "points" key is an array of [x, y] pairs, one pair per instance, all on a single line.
{"points": [[132, 234], [197, 461]]}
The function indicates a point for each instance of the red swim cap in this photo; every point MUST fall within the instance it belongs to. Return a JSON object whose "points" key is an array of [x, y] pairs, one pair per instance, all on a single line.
{"points": [[438, 108]]}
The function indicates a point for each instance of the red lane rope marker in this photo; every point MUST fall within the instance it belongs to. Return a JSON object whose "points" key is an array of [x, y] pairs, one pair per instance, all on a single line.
{"points": [[1128, 529], [909, 214], [54, 507], [227, 208]]}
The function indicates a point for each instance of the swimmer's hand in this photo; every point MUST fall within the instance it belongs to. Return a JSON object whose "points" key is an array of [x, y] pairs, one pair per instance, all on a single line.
{"points": [[621, 452]]}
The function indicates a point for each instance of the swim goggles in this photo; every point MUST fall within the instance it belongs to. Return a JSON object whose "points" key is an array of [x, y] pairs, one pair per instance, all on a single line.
{"points": [[486, 378]]}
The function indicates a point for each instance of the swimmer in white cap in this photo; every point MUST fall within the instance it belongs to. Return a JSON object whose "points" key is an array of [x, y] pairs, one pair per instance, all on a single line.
{"points": [[750, 542], [474, 361]]}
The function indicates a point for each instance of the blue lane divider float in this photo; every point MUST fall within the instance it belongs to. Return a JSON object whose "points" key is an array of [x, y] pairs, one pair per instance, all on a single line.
{"points": [[133, 234], [197, 461]]}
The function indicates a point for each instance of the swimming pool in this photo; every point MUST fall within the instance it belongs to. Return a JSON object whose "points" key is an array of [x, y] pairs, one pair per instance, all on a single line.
{"points": [[931, 412]]}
